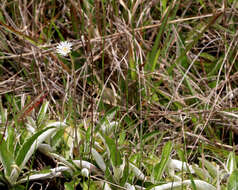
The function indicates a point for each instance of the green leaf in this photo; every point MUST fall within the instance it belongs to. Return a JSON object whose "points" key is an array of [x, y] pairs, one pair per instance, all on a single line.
{"points": [[125, 175], [107, 125], [10, 138], [153, 56], [195, 37], [132, 64], [208, 56], [233, 180], [231, 162], [88, 186], [58, 32], [202, 173], [29, 147], [3, 115], [113, 151], [57, 137], [42, 113], [212, 169], [147, 137], [160, 167], [110, 115], [215, 69], [71, 185], [151, 67], [122, 137], [6, 157], [88, 134], [164, 3], [18, 33]]}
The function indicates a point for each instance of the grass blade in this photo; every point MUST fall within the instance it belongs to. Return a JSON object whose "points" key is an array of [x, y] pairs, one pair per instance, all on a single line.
{"points": [[160, 167], [153, 56]]}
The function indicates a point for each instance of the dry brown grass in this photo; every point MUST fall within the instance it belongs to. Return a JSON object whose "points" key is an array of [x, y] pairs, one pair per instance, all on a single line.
{"points": [[190, 92]]}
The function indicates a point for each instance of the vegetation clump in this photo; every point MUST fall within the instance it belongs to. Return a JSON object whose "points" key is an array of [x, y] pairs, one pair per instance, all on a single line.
{"points": [[118, 94]]}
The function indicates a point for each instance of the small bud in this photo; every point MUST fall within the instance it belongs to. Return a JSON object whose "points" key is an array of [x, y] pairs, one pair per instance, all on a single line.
{"points": [[231, 95], [85, 172]]}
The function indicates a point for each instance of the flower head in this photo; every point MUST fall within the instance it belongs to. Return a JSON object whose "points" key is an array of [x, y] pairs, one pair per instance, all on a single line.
{"points": [[64, 48], [85, 172]]}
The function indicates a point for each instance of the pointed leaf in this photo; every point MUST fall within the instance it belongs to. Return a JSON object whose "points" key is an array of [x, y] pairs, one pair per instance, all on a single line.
{"points": [[231, 162], [211, 168], [160, 167], [109, 116], [113, 151], [6, 157], [42, 112], [31, 145], [233, 180], [202, 173], [10, 138]]}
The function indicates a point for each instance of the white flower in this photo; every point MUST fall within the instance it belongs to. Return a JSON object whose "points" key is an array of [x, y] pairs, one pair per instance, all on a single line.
{"points": [[85, 172], [231, 95], [64, 48]]}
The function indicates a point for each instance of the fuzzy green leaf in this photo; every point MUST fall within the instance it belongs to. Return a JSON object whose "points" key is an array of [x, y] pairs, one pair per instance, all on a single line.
{"points": [[31, 145]]}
